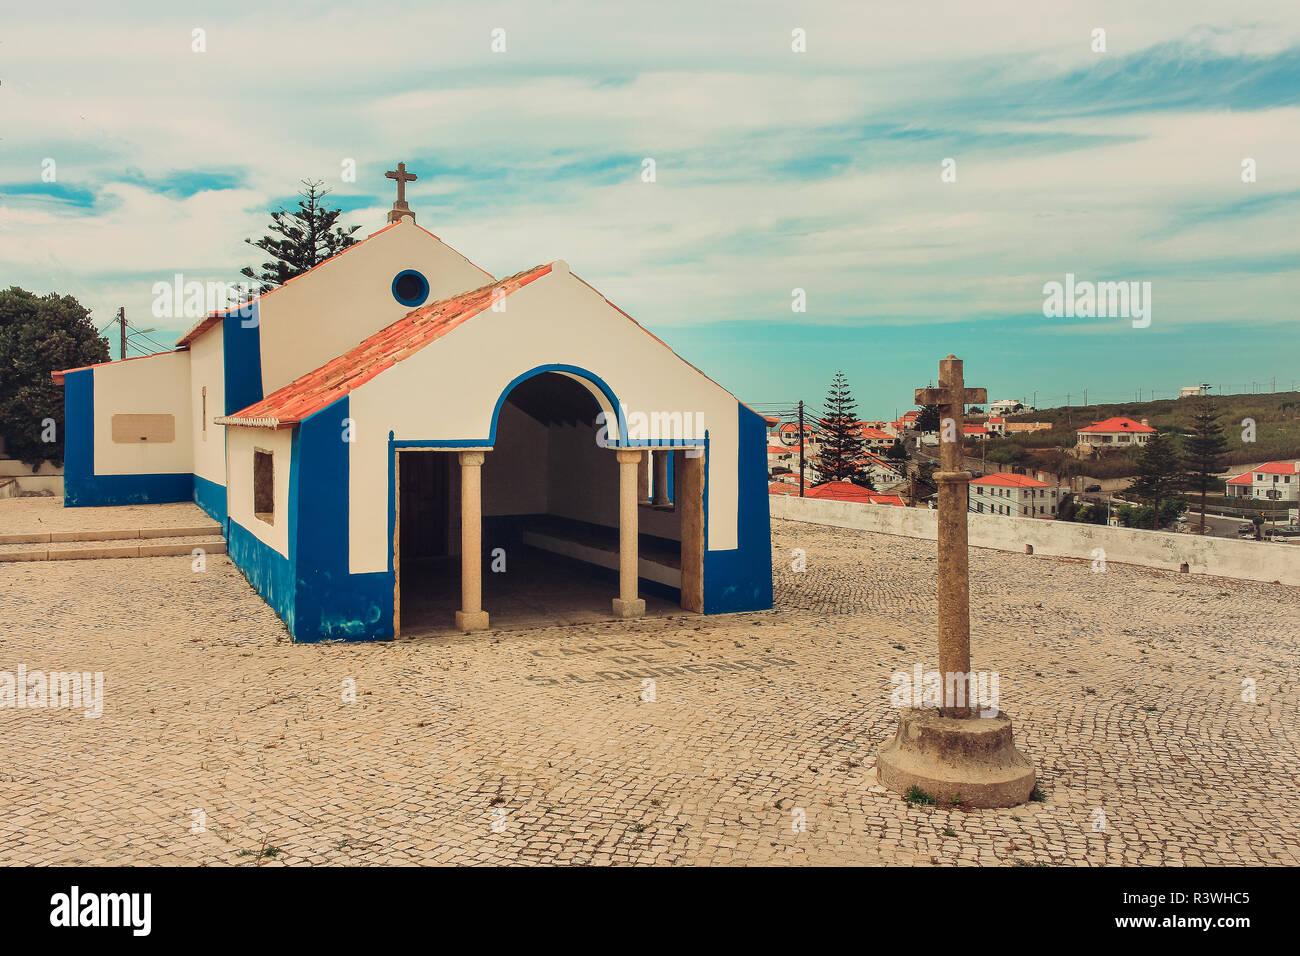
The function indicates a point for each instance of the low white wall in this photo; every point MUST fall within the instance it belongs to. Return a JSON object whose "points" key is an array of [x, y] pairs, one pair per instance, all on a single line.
{"points": [[1225, 557], [46, 478]]}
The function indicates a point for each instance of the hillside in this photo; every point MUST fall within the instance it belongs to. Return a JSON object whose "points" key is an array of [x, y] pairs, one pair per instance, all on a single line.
{"points": [[1276, 416]]}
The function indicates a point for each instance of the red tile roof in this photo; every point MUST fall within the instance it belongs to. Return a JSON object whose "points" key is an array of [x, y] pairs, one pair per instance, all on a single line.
{"points": [[780, 449], [974, 430], [782, 488], [847, 491], [1268, 468], [1005, 480], [1277, 468], [875, 434], [1120, 425], [310, 393]]}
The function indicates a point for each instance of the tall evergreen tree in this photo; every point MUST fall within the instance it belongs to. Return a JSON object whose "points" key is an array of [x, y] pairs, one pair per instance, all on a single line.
{"points": [[306, 237], [1160, 473], [1205, 447], [841, 439]]}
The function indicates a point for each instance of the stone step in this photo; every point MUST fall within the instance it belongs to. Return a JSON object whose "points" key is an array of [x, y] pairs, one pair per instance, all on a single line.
{"points": [[154, 547], [47, 537]]}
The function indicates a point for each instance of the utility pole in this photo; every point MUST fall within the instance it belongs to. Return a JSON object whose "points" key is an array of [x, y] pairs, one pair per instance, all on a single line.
{"points": [[1085, 398], [801, 449], [121, 322]]}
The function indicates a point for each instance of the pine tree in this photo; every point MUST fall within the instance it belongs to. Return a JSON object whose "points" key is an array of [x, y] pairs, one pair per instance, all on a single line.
{"points": [[1160, 474], [1205, 447], [308, 236], [928, 420], [841, 437]]}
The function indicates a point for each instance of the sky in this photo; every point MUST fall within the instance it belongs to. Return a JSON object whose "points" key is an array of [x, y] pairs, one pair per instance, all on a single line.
{"points": [[920, 170]]}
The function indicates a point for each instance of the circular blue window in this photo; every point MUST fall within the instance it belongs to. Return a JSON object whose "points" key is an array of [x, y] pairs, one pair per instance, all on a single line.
{"points": [[410, 288]]}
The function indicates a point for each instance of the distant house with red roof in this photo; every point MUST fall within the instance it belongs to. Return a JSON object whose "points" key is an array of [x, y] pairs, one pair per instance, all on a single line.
{"points": [[1273, 481], [875, 437], [979, 432], [847, 491], [396, 405], [1016, 496], [788, 434], [1114, 433]]}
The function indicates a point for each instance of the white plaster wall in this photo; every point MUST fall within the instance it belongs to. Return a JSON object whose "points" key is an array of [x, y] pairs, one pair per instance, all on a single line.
{"points": [[317, 317], [448, 390], [207, 354], [158, 384], [242, 442], [583, 477], [514, 473], [1224, 557]]}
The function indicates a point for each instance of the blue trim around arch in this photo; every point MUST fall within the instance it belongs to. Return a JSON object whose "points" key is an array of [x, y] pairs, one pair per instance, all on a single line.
{"points": [[470, 444]]}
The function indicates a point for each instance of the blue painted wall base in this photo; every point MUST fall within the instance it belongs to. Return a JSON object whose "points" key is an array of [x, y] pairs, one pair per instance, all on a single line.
{"points": [[211, 497]]}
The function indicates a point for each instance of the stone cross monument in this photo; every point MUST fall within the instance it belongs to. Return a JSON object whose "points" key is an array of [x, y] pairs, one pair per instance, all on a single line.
{"points": [[947, 752], [400, 208]]}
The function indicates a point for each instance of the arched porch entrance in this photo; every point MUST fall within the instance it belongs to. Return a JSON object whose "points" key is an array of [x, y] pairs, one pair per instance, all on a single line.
{"points": [[550, 524]]}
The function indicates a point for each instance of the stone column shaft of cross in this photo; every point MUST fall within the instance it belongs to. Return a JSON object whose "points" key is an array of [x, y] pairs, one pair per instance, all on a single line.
{"points": [[471, 616], [954, 495], [627, 604]]}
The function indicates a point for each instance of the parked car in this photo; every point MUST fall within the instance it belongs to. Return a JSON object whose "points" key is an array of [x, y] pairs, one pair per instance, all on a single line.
{"points": [[1246, 529], [1286, 531], [1093, 488]]}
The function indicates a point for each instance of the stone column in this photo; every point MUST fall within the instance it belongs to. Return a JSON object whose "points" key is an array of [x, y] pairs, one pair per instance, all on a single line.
{"points": [[691, 508], [627, 604], [471, 616], [643, 478], [661, 477], [954, 554]]}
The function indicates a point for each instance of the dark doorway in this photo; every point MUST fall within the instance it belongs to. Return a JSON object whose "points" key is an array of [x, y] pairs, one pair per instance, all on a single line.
{"points": [[425, 481]]}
